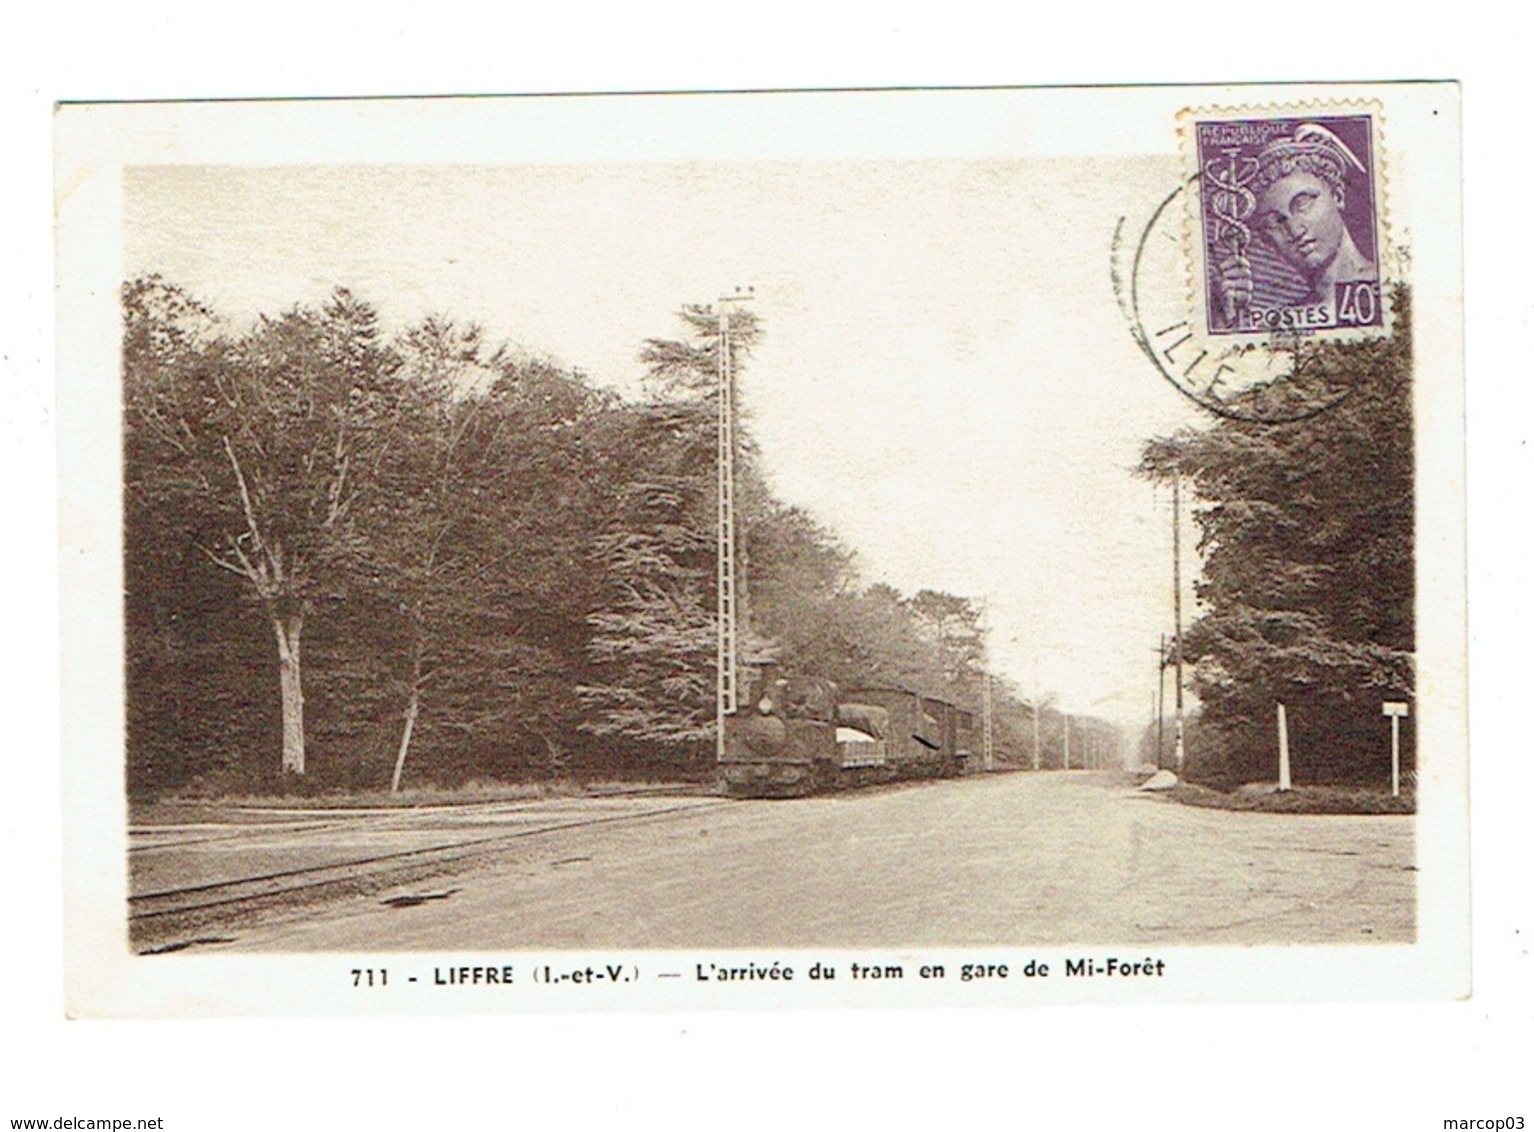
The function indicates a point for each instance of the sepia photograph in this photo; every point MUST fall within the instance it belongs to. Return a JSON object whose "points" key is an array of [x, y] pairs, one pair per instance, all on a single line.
{"points": [[916, 538]]}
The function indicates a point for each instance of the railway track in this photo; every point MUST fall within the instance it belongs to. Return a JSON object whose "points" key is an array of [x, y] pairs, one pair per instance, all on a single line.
{"points": [[161, 911], [303, 819]]}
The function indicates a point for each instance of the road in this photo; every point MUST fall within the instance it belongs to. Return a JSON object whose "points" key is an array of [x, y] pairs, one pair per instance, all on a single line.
{"points": [[1020, 859]]}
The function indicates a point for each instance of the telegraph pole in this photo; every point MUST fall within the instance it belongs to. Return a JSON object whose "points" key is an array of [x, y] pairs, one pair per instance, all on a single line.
{"points": [[1160, 700], [1177, 601], [726, 632], [987, 693], [987, 727]]}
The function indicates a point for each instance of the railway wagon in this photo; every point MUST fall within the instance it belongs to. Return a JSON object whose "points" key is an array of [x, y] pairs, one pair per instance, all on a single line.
{"points": [[928, 737], [965, 736], [800, 735]]}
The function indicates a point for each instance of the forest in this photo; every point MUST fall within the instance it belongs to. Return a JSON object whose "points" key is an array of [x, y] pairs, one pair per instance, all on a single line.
{"points": [[363, 561]]}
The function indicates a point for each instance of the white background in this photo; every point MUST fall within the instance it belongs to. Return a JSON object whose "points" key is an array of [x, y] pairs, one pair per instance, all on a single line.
{"points": [[1395, 1067]]}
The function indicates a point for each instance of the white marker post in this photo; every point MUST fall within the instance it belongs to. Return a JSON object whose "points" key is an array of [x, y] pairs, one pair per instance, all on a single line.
{"points": [[1283, 749], [1396, 710]]}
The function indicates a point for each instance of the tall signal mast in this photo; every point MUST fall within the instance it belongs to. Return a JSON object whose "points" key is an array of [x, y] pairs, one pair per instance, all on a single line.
{"points": [[727, 640]]}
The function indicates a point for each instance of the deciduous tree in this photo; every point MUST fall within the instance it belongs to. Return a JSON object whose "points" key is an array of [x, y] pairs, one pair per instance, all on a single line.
{"points": [[263, 443]]}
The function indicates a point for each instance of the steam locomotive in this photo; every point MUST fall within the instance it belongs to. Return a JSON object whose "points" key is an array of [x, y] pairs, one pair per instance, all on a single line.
{"points": [[799, 735]]}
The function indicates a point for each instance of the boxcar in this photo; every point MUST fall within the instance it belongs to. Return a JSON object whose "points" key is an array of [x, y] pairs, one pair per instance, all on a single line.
{"points": [[928, 737], [797, 735]]}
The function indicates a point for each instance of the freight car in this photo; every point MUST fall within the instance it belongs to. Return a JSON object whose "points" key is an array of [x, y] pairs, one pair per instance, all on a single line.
{"points": [[799, 735]]}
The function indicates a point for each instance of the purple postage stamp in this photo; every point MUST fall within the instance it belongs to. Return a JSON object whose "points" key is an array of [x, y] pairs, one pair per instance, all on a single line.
{"points": [[1288, 233]]}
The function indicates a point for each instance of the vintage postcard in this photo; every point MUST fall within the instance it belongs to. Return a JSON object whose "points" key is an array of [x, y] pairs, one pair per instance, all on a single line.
{"points": [[813, 550]]}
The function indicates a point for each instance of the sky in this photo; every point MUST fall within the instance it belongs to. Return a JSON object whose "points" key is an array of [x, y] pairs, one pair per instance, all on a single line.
{"points": [[945, 380]]}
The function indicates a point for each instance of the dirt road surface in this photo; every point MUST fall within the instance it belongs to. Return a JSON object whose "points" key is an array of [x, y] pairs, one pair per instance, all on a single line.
{"points": [[1020, 859]]}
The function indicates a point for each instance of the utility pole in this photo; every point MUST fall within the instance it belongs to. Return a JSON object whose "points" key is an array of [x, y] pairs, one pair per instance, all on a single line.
{"points": [[1038, 707], [726, 632], [1160, 700], [1177, 601], [987, 693], [987, 726]]}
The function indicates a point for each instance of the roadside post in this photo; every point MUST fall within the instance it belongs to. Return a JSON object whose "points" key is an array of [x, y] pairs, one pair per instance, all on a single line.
{"points": [[1396, 710], [1283, 749]]}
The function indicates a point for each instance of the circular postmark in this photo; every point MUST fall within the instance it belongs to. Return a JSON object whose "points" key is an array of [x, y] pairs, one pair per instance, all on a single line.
{"points": [[1285, 376]]}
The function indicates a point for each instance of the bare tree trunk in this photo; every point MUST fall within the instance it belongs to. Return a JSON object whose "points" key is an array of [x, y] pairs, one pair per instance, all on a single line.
{"points": [[412, 710], [289, 632]]}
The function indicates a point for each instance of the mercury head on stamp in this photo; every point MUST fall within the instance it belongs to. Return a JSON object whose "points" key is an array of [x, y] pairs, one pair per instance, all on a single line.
{"points": [[1289, 225], [1301, 199]]}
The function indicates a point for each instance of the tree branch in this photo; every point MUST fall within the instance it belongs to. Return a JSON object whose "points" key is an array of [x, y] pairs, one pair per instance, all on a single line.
{"points": [[224, 564], [250, 510]]}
